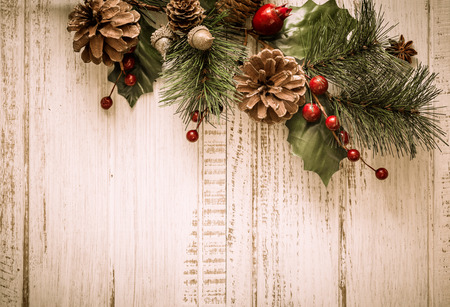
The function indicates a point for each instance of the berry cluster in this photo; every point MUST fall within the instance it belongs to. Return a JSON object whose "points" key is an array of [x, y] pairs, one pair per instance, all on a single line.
{"points": [[192, 135], [312, 112], [130, 79]]}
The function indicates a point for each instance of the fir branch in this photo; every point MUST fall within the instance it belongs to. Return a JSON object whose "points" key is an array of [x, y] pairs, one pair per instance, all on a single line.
{"points": [[383, 101], [202, 80], [391, 115]]}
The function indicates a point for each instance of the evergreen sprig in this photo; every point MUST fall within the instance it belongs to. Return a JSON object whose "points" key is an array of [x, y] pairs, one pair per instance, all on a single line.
{"points": [[203, 80], [383, 101]]}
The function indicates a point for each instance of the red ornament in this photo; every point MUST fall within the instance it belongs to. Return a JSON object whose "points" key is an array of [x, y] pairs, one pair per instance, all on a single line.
{"points": [[353, 155], [381, 173], [311, 112], [318, 85], [106, 102], [343, 135], [332, 123], [130, 79], [128, 61], [269, 19], [194, 116], [192, 135]]}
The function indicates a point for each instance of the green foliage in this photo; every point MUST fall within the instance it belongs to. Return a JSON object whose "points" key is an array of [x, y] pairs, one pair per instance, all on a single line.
{"points": [[391, 114], [315, 144], [296, 32], [147, 67], [208, 4], [202, 80], [383, 102]]}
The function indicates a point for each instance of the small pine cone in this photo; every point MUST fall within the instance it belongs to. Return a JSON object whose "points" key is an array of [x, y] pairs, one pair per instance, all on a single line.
{"points": [[106, 30], [273, 86], [238, 11], [183, 15]]}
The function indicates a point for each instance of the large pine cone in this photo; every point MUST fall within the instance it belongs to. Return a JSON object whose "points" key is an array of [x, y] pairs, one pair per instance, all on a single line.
{"points": [[238, 11], [183, 15], [273, 86], [106, 30]]}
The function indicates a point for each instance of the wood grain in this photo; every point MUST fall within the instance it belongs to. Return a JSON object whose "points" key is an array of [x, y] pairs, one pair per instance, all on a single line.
{"points": [[386, 222], [116, 208], [14, 156], [440, 208]]}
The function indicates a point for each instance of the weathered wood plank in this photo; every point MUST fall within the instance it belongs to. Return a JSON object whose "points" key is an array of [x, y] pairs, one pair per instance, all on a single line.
{"points": [[386, 222], [440, 208], [68, 165], [154, 198], [13, 155]]}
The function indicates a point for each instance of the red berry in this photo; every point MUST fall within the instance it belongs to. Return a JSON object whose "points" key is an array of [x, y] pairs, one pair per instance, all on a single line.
{"points": [[130, 79], [269, 19], [192, 135], [332, 123], [194, 116], [318, 85], [128, 61], [353, 155], [343, 135], [381, 173], [106, 102], [311, 112]]}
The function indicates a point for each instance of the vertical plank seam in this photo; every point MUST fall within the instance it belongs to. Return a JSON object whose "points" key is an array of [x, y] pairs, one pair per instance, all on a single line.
{"points": [[430, 215], [226, 204], [26, 117]]}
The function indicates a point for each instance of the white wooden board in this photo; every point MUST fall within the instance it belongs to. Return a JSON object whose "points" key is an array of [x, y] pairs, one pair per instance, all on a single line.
{"points": [[116, 208]]}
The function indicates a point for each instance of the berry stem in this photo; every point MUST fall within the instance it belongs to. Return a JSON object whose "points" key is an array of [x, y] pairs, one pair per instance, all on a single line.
{"points": [[117, 80], [325, 114], [367, 164], [201, 118]]}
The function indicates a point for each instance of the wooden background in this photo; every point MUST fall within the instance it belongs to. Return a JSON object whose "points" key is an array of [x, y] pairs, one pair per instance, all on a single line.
{"points": [[116, 208]]}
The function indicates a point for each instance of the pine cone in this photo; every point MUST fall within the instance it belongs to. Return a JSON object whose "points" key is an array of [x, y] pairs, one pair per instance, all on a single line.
{"points": [[273, 86], [183, 15], [238, 11], [106, 30]]}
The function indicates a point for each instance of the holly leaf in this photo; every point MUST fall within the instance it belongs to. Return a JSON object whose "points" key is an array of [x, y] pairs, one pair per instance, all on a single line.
{"points": [[146, 69], [293, 38], [207, 4], [315, 144]]}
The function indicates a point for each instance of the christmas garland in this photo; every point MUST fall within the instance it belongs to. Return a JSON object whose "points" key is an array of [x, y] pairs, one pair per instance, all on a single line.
{"points": [[382, 101]]}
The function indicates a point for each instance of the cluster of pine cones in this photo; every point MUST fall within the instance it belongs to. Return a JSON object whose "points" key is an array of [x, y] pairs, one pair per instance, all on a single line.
{"points": [[272, 85]]}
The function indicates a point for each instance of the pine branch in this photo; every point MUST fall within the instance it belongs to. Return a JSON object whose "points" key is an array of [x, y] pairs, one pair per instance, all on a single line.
{"points": [[202, 80], [383, 101], [392, 115]]}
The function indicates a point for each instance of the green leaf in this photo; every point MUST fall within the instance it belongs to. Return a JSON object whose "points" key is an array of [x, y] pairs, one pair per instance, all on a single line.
{"points": [[147, 67], [207, 4], [293, 38], [316, 145]]}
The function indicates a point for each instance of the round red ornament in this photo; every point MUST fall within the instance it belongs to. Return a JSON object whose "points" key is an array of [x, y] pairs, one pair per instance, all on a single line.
{"points": [[318, 85], [128, 61], [269, 19], [106, 102], [332, 123], [343, 135], [353, 155], [311, 112], [194, 116], [381, 173], [130, 79], [192, 135]]}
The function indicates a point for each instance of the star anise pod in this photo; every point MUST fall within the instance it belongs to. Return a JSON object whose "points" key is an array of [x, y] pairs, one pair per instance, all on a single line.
{"points": [[401, 49]]}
